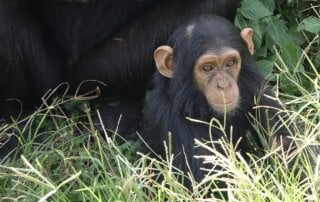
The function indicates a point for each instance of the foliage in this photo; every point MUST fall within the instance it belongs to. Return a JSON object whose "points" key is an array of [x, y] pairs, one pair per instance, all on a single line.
{"points": [[289, 27]]}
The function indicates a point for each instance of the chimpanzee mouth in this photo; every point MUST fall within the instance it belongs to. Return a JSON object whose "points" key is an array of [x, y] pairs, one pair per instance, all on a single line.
{"points": [[222, 104], [225, 104], [225, 107]]}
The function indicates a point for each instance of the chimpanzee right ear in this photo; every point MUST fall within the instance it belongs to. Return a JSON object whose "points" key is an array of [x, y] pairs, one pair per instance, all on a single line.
{"points": [[163, 57]]}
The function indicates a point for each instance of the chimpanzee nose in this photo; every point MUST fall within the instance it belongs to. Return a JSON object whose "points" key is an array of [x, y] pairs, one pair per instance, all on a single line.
{"points": [[223, 82]]}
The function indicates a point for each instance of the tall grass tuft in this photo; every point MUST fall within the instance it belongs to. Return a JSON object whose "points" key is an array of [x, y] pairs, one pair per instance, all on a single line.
{"points": [[64, 157]]}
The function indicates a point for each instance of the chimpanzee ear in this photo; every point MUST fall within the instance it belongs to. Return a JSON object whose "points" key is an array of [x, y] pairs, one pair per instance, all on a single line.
{"points": [[163, 57], [247, 36]]}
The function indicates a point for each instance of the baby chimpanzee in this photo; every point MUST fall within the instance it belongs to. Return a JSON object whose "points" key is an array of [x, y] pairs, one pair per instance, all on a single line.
{"points": [[207, 71]]}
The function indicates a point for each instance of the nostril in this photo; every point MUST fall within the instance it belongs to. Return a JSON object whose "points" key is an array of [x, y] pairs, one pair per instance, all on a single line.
{"points": [[223, 83]]}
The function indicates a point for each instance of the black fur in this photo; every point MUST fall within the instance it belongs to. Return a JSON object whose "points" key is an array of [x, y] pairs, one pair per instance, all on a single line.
{"points": [[44, 43], [172, 100]]}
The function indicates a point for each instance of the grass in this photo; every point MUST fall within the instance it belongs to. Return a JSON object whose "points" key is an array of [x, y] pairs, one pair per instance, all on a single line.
{"points": [[77, 162]]}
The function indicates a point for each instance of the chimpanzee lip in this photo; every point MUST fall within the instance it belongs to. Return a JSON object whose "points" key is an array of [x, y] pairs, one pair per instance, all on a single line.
{"points": [[229, 106], [225, 104]]}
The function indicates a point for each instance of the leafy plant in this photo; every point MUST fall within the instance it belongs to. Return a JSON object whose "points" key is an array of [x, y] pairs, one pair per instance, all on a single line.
{"points": [[288, 27]]}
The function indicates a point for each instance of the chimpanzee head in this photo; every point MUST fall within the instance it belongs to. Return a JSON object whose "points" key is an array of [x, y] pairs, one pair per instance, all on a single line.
{"points": [[204, 61]]}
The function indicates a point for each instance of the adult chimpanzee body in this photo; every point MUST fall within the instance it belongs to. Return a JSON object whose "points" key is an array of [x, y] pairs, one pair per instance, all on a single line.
{"points": [[207, 71], [45, 43]]}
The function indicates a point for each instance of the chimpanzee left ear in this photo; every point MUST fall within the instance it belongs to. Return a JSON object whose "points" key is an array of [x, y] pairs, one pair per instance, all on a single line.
{"points": [[163, 57], [247, 36]]}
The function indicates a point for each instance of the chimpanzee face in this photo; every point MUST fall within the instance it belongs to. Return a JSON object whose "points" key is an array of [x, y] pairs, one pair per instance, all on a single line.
{"points": [[215, 72]]}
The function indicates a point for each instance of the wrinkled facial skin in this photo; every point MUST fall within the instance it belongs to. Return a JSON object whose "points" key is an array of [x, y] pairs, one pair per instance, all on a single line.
{"points": [[216, 74]]}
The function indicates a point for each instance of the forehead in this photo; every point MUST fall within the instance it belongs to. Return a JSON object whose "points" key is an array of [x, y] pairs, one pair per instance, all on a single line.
{"points": [[211, 33], [222, 51], [206, 42], [219, 54]]}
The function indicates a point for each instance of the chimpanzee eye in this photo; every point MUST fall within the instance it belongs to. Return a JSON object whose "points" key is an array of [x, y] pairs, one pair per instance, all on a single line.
{"points": [[207, 67], [231, 62]]}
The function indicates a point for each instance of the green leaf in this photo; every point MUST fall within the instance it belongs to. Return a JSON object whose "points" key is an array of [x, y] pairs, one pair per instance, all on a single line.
{"points": [[269, 4], [254, 10], [291, 54], [296, 37], [241, 22], [269, 42], [277, 31], [310, 24], [265, 66], [316, 60], [261, 52], [257, 34]]}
